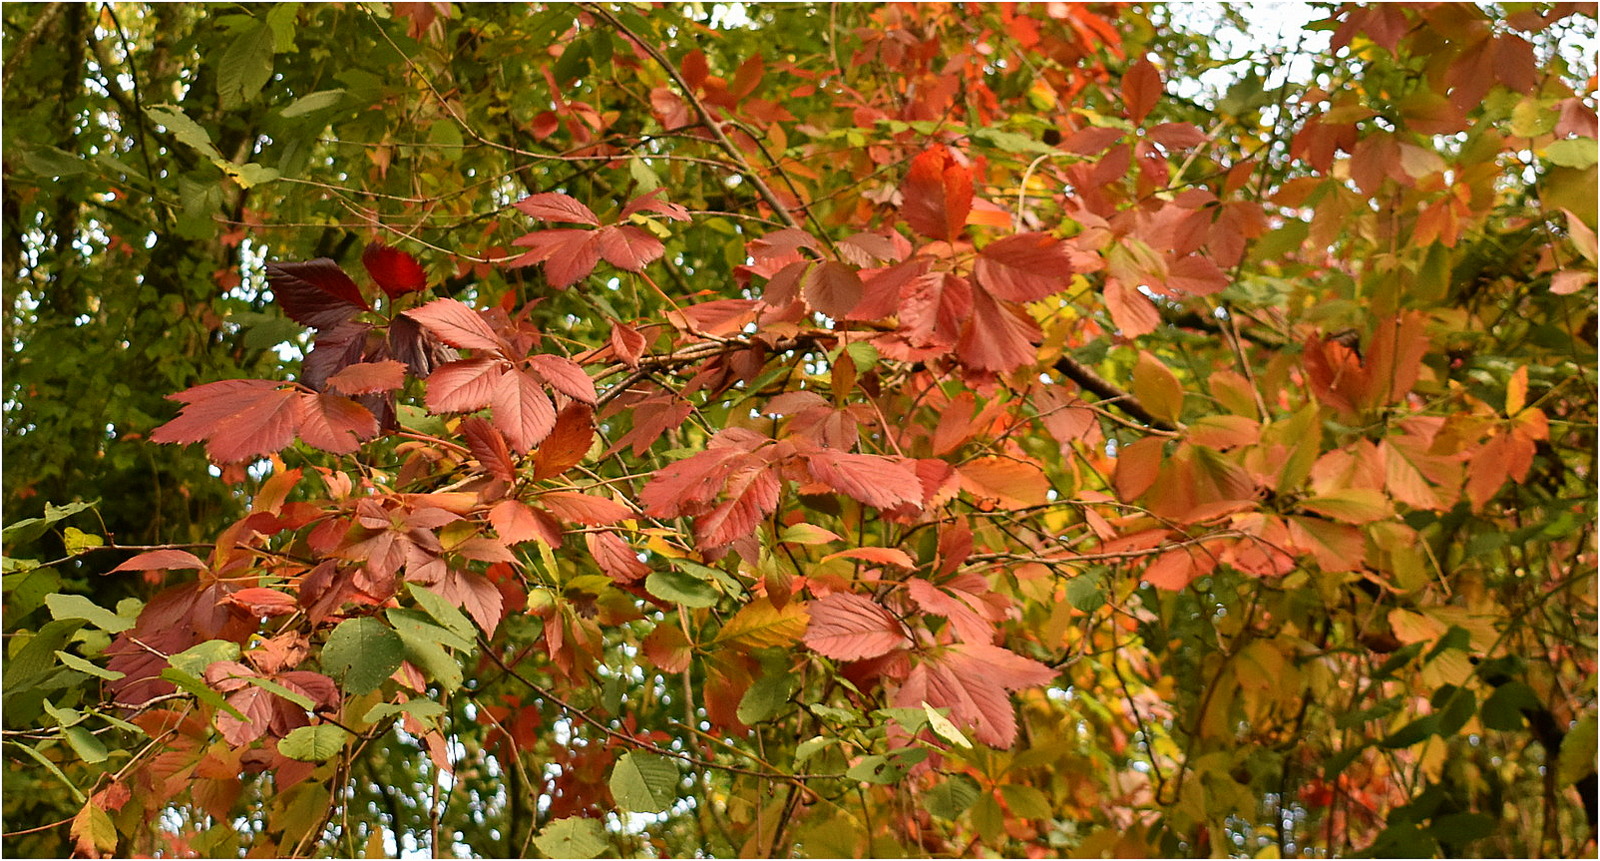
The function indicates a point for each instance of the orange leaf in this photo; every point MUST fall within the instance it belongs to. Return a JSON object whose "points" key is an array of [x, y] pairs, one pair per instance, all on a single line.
{"points": [[1010, 482]]}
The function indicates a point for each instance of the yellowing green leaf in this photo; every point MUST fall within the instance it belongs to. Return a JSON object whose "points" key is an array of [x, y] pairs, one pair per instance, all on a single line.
{"points": [[1157, 388], [760, 625]]}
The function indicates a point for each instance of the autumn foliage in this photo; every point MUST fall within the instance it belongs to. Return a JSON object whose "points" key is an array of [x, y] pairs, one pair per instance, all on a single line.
{"points": [[938, 439]]}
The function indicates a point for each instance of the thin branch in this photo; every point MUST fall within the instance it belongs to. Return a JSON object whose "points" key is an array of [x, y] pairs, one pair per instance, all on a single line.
{"points": [[1085, 376]]}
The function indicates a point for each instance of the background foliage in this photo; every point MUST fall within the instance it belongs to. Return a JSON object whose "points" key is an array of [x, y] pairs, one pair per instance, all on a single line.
{"points": [[898, 430]]}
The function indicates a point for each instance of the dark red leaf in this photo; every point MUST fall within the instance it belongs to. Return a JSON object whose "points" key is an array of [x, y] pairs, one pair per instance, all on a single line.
{"points": [[937, 194], [567, 443], [396, 272], [315, 293], [851, 627], [1141, 87], [456, 324], [333, 351], [522, 411], [418, 349], [831, 288], [554, 206]]}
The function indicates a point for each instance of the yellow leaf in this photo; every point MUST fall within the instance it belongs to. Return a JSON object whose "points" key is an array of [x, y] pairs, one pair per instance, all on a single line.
{"points": [[760, 625], [1517, 391], [1157, 388]]}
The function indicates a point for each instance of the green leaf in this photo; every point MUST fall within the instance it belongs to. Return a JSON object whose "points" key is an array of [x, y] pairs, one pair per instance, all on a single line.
{"points": [[314, 743], [1157, 387], [810, 747], [25, 591], [281, 18], [1577, 755], [1013, 142], [313, 102], [84, 743], [1579, 153], [87, 667], [245, 67], [51, 767], [79, 607], [642, 175], [416, 624], [644, 782], [1026, 801], [448, 614], [1084, 593], [50, 161], [184, 129], [765, 698], [1413, 732], [298, 699], [77, 541], [573, 837], [423, 710], [988, 818], [196, 658], [680, 588], [360, 654], [37, 656], [952, 797], [200, 691], [1530, 119], [874, 768], [248, 175], [422, 649]]}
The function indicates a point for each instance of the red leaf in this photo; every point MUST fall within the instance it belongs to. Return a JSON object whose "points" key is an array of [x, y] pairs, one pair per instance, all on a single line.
{"points": [[851, 627], [1013, 483], [964, 610], [264, 602], [668, 648], [997, 337], [880, 555], [627, 343], [831, 288], [396, 272], [333, 423], [161, 560], [315, 293], [464, 386], [1141, 87], [238, 419], [1196, 276], [752, 493], [934, 306], [568, 255], [567, 444], [488, 447], [456, 324], [476, 595], [522, 411], [256, 704], [654, 201], [615, 557], [628, 247], [695, 479], [554, 206], [565, 376], [1170, 571], [937, 194], [972, 680], [332, 351], [584, 508], [515, 523], [880, 482], [1024, 268], [1132, 312], [367, 377]]}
